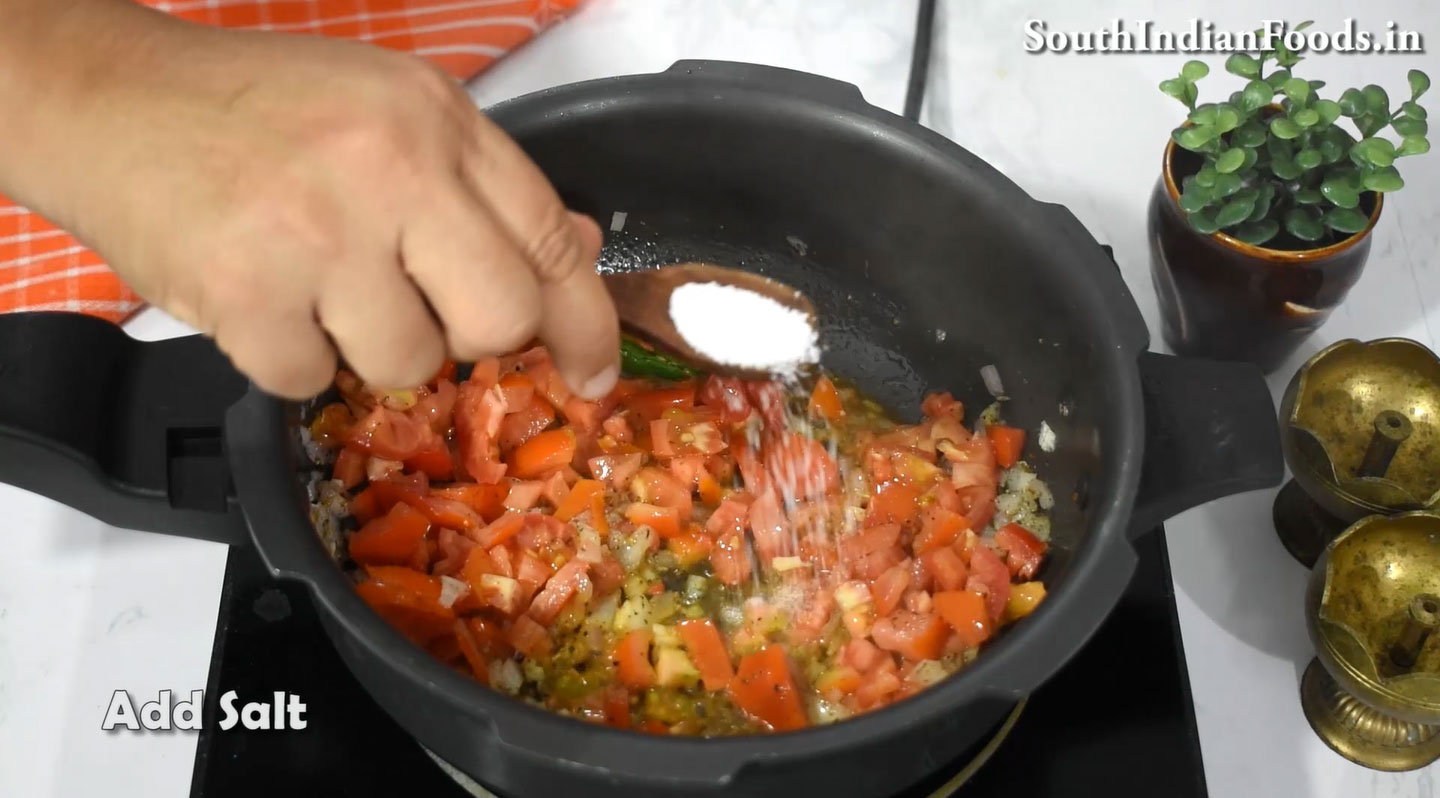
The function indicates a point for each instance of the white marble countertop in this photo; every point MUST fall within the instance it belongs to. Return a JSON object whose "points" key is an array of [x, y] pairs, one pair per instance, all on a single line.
{"points": [[86, 609]]}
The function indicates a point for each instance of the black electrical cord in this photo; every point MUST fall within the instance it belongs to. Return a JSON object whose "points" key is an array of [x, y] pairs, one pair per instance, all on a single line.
{"points": [[920, 60]]}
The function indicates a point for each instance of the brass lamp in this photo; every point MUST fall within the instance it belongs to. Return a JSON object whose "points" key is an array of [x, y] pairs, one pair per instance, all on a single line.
{"points": [[1372, 609], [1360, 428]]}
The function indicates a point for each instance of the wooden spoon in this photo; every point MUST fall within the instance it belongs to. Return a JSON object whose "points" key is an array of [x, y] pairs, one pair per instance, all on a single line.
{"points": [[642, 299]]}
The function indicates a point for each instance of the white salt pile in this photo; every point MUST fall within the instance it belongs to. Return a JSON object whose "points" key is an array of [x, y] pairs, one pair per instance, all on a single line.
{"points": [[741, 328]]}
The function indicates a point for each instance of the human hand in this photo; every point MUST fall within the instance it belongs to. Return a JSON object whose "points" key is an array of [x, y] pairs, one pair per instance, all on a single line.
{"points": [[300, 197]]}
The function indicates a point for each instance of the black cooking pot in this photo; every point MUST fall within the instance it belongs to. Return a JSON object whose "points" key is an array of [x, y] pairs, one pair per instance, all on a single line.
{"points": [[925, 265]]}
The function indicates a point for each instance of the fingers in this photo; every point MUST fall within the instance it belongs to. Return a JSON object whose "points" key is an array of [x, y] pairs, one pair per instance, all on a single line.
{"points": [[577, 319], [288, 356], [475, 277], [381, 325]]}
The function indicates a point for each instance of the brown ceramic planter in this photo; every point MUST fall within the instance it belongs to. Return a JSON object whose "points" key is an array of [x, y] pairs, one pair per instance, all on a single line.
{"points": [[1225, 299]]}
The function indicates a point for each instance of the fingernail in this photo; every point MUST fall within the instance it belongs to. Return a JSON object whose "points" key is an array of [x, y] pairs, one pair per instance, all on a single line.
{"points": [[600, 384]]}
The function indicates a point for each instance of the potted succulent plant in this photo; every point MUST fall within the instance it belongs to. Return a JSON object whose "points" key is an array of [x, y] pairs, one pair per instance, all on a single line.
{"points": [[1260, 222]]}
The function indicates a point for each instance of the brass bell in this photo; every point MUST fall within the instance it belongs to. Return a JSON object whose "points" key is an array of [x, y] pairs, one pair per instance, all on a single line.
{"points": [[1360, 428], [1372, 609]]}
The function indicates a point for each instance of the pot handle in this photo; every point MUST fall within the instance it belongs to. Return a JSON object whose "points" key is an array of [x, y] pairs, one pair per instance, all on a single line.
{"points": [[122, 430], [1210, 432], [803, 84]]}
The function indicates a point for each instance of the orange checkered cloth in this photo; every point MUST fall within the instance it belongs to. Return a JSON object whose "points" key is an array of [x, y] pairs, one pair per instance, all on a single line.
{"points": [[44, 268]]}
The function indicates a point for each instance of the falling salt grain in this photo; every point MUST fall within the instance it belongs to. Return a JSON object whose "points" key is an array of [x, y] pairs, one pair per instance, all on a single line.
{"points": [[736, 327]]}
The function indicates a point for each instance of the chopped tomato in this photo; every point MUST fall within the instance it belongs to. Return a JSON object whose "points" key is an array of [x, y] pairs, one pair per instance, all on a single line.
{"points": [[479, 411], [330, 425], [890, 587], [689, 548], [528, 637], [350, 466], [664, 520], [1007, 442], [408, 600], [597, 515], [936, 405], [523, 495], [390, 539], [607, 576], [825, 400], [662, 437], [578, 500], [708, 487], [707, 650], [531, 571], [450, 514], [914, 636], [687, 469], [652, 404], [729, 558], [872, 565], [436, 461], [655, 486], [437, 407], [868, 541], [946, 568], [1023, 551], [391, 434], [617, 707], [573, 576], [521, 426], [752, 470], [940, 528], [615, 469], [800, 466], [582, 415], [1024, 598], [486, 500], [894, 503], [880, 687], [447, 372], [470, 649], [453, 548], [967, 614], [726, 395], [768, 397], [632, 660], [519, 391], [765, 689], [839, 682], [989, 575], [501, 530], [544, 452], [863, 655]]}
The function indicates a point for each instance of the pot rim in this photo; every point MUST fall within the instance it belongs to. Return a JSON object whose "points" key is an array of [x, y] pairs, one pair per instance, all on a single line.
{"points": [[1266, 253]]}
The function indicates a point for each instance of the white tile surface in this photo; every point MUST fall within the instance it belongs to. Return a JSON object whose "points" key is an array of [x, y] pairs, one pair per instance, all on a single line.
{"points": [[85, 609]]}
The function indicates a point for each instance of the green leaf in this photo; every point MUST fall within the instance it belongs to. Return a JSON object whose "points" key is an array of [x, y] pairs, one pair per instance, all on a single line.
{"points": [[1410, 127], [1230, 160], [1346, 220], [1206, 176], [1316, 85], [1377, 152], [1250, 134], [1384, 179], [1194, 70], [1413, 145], [1196, 137], [1329, 111], [1250, 158], [1204, 115], [1419, 83], [1277, 78], [1306, 117], [1308, 159], [1226, 118], [1175, 87], [1285, 168], [1256, 95], [1338, 189], [1376, 100], [1226, 184], [1242, 64], [1195, 198], [1279, 148], [1297, 89], [1330, 152], [1413, 109], [1302, 26], [1191, 94], [1284, 128], [1352, 102], [1234, 212], [1204, 222], [1304, 224], [1257, 232], [1263, 199], [1308, 196]]}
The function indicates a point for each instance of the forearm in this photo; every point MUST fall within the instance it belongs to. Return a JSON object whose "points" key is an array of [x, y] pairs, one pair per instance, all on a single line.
{"points": [[57, 60]]}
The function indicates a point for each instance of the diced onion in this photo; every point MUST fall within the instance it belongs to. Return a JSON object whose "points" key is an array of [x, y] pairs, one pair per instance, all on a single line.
{"points": [[783, 564], [589, 548], [452, 590], [926, 673], [505, 675], [991, 376], [1047, 438]]}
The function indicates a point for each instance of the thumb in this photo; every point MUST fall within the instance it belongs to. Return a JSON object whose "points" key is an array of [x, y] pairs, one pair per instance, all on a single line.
{"points": [[578, 320]]}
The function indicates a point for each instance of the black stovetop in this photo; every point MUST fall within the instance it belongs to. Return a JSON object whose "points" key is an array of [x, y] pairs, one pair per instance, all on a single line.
{"points": [[1118, 717]]}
